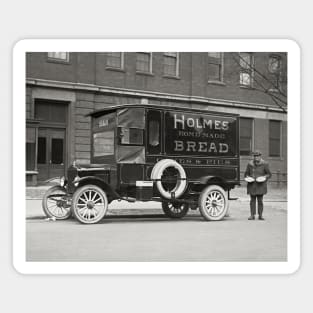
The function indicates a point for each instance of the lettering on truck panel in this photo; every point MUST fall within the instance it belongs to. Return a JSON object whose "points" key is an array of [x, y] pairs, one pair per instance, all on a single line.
{"points": [[196, 134]]}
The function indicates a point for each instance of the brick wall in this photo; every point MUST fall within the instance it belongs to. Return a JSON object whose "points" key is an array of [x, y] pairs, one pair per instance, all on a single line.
{"points": [[84, 104], [90, 68], [28, 100]]}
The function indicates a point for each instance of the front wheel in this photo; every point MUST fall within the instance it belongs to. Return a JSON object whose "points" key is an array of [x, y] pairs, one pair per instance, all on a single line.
{"points": [[90, 204], [56, 203], [175, 210], [213, 203]]}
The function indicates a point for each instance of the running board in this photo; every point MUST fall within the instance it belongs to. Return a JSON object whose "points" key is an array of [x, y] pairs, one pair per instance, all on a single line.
{"points": [[129, 199]]}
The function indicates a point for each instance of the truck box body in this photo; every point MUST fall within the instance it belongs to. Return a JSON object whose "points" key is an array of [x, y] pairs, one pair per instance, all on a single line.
{"points": [[135, 137]]}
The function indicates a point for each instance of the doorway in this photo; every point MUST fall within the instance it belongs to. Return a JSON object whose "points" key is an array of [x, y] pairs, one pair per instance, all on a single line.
{"points": [[51, 152]]}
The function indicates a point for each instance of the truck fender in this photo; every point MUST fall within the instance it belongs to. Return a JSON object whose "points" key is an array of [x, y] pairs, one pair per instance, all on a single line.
{"points": [[81, 181], [213, 180]]}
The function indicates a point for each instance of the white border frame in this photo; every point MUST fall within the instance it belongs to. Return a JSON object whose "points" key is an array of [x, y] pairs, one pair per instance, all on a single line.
{"points": [[157, 45]]}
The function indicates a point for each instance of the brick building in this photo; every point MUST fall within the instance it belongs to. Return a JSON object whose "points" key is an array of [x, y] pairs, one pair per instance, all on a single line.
{"points": [[61, 88]]}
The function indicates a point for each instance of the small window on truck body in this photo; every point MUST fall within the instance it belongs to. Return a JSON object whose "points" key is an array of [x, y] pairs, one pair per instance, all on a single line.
{"points": [[131, 125], [131, 136]]}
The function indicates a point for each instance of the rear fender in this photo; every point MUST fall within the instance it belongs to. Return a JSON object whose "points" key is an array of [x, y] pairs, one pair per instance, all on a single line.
{"points": [[214, 180]]}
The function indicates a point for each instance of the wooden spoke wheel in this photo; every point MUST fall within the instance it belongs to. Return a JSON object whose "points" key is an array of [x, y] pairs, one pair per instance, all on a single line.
{"points": [[56, 204], [90, 204], [175, 210], [213, 203]]}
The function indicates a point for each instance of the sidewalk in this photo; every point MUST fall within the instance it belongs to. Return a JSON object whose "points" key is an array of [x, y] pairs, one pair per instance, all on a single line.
{"points": [[274, 194]]}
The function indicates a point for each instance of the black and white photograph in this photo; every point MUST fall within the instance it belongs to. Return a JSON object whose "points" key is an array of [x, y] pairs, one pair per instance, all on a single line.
{"points": [[156, 156], [172, 161]]}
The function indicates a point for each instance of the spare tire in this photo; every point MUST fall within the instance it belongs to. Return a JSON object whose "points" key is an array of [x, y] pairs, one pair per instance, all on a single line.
{"points": [[159, 171]]}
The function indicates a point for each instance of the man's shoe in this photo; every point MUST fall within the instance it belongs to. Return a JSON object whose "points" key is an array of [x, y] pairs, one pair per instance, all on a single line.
{"points": [[261, 218], [251, 218]]}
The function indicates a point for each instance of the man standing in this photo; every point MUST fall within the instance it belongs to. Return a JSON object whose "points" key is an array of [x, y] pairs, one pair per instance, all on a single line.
{"points": [[257, 174]]}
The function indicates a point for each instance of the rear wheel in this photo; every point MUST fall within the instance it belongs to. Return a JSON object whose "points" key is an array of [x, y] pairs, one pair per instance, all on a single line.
{"points": [[56, 204], [175, 210], [213, 203], [90, 204]]}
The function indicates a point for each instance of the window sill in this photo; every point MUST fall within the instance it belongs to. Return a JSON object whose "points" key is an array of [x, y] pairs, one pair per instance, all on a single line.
{"points": [[273, 90], [247, 87], [58, 61], [246, 157], [115, 69], [216, 82], [171, 77], [31, 172], [275, 158], [144, 73]]}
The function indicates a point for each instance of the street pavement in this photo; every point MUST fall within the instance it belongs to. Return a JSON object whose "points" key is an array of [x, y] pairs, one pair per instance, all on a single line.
{"points": [[140, 232]]}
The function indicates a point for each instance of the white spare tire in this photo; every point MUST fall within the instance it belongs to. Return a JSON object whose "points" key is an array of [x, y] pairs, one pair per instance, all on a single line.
{"points": [[163, 168]]}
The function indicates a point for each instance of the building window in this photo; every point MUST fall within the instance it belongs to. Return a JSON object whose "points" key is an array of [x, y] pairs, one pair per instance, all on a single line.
{"points": [[275, 138], [215, 66], [246, 69], [30, 149], [144, 62], [115, 60], [171, 64], [246, 136], [59, 56], [274, 68]]}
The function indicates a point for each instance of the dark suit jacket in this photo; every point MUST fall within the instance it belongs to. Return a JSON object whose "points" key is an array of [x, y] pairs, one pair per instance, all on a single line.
{"points": [[257, 170]]}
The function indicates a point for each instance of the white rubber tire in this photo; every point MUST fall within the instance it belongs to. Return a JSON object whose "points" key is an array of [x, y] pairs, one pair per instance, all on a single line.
{"points": [[157, 173], [213, 203]]}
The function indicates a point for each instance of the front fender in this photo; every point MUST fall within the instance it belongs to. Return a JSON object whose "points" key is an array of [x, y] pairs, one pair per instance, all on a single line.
{"points": [[92, 180], [79, 181], [58, 181]]}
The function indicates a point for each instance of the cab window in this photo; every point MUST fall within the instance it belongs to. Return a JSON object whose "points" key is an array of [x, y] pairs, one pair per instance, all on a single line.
{"points": [[154, 131]]}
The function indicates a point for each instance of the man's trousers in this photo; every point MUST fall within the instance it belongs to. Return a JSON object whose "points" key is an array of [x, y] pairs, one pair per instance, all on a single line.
{"points": [[253, 204]]}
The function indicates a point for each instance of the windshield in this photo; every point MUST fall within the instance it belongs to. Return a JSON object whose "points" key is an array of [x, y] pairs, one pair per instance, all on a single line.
{"points": [[103, 135], [103, 143]]}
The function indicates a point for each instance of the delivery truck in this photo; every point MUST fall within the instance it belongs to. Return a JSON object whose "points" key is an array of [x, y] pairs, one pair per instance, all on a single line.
{"points": [[184, 158]]}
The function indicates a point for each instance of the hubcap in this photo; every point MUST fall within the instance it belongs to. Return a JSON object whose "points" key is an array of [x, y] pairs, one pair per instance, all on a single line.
{"points": [[60, 203], [90, 205]]}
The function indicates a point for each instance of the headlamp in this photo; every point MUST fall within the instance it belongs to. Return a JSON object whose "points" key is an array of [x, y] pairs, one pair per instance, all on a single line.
{"points": [[62, 181]]}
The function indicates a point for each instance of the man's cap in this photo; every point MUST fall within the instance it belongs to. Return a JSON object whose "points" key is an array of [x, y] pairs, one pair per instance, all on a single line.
{"points": [[256, 152]]}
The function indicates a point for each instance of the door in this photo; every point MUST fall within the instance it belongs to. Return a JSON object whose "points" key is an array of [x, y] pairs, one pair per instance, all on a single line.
{"points": [[50, 153]]}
